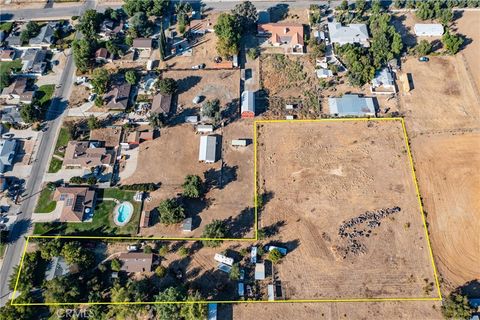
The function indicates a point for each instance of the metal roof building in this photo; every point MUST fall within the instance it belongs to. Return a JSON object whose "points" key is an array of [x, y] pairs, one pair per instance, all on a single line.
{"points": [[352, 33], [259, 271], [7, 153], [248, 104], [208, 149], [351, 105], [428, 29]]}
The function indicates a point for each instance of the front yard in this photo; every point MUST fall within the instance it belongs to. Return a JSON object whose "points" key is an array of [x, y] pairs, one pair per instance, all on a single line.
{"points": [[102, 223], [45, 202], [62, 141]]}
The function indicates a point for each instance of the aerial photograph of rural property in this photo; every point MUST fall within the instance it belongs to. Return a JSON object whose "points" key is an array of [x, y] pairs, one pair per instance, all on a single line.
{"points": [[229, 159]]}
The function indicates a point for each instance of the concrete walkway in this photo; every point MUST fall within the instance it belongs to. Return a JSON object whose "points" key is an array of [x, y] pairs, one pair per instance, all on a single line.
{"points": [[82, 111], [130, 163], [65, 174]]}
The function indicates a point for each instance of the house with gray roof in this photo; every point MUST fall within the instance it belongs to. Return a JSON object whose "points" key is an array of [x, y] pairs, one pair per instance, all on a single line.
{"points": [[352, 33], [383, 82], [208, 149], [11, 114], [8, 149], [34, 61], [351, 105], [58, 267], [46, 36], [119, 97]]}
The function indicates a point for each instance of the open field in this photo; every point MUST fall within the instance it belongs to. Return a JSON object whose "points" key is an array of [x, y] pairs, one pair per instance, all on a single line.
{"points": [[172, 156], [351, 311], [448, 176], [211, 84], [317, 175]]}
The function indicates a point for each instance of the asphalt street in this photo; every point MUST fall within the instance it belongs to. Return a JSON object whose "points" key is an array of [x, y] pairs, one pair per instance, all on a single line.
{"points": [[52, 125]]}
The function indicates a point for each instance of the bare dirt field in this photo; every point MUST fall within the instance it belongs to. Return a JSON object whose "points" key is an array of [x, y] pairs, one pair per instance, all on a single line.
{"points": [[211, 84], [442, 99], [172, 156], [319, 179], [448, 176], [351, 311]]}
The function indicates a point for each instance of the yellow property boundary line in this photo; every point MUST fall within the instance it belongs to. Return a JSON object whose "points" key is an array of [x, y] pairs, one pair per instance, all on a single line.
{"points": [[414, 177]]}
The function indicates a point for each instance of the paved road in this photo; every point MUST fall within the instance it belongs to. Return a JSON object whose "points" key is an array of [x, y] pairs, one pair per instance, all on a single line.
{"points": [[52, 124]]}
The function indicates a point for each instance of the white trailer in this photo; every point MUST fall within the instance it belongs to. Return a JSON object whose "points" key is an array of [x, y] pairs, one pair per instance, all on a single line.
{"points": [[239, 143]]}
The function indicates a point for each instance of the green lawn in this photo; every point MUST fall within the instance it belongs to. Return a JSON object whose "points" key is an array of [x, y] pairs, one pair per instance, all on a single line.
{"points": [[3, 246], [55, 165], [5, 68], [44, 94], [62, 141], [102, 224], [45, 202]]}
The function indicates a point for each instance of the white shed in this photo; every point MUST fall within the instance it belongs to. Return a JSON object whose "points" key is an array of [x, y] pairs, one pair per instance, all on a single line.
{"points": [[428, 29], [204, 128], [208, 149], [260, 271]]}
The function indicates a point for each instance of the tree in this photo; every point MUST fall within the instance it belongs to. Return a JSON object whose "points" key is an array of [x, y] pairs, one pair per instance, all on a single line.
{"points": [[228, 33], [275, 256], [28, 113], [211, 108], [171, 212], [163, 250], [452, 42], [446, 16], [77, 180], [192, 186], [397, 44], [234, 272], [82, 53], [61, 289], [131, 77], [98, 101], [170, 311], [49, 249], [90, 23], [183, 251], [423, 48], [5, 80], [99, 81], [194, 311], [399, 4], [215, 229], [424, 11], [147, 249], [343, 6], [160, 271], [74, 253], [456, 306], [91, 180], [115, 265], [167, 86], [71, 127], [32, 29], [140, 25], [360, 5], [156, 120], [253, 53], [113, 47], [93, 122], [246, 14], [162, 43]]}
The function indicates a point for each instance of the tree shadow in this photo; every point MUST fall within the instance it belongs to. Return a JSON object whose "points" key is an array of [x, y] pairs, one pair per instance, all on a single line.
{"points": [[273, 229], [220, 178], [278, 12], [471, 289], [180, 118], [187, 83], [241, 224], [193, 208], [19, 228]]}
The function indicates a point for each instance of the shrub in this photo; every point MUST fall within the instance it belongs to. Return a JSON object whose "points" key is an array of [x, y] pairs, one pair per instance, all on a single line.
{"points": [[160, 271], [193, 186], [115, 265], [275, 256], [171, 212], [163, 250], [183, 251], [140, 187]]}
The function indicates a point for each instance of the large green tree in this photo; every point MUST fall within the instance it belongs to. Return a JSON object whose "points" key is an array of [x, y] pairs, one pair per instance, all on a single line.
{"points": [[99, 81], [228, 32], [166, 86], [215, 229], [457, 306], [192, 186], [194, 311], [246, 14], [90, 23], [82, 53], [169, 311], [171, 212], [452, 42]]}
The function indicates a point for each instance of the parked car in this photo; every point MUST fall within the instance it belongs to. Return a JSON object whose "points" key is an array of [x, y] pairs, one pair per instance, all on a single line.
{"points": [[423, 59], [92, 97], [199, 66], [197, 99]]}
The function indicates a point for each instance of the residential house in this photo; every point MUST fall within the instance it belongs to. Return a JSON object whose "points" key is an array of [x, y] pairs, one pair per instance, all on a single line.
{"points": [[86, 154], [7, 55], [144, 45], [108, 29], [288, 36], [136, 261], [428, 29], [118, 97], [102, 56], [248, 104], [352, 33], [11, 114], [208, 149], [58, 267], [8, 149], [46, 36], [18, 92], [76, 203], [13, 40], [383, 82], [351, 105], [34, 61], [162, 104]]}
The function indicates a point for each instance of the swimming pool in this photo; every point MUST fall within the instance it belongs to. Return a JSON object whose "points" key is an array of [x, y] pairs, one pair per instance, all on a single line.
{"points": [[122, 213]]}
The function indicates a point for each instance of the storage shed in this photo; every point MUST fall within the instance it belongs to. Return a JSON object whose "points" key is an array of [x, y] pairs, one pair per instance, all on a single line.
{"points": [[187, 225], [204, 128], [428, 29], [260, 271], [351, 105], [208, 149], [248, 104]]}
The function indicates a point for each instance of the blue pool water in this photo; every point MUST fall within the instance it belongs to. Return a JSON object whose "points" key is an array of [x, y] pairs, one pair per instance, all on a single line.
{"points": [[124, 213]]}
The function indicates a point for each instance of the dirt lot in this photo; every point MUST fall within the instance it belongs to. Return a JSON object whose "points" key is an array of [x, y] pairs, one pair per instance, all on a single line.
{"points": [[212, 84], [442, 98], [315, 177], [174, 154], [351, 311]]}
